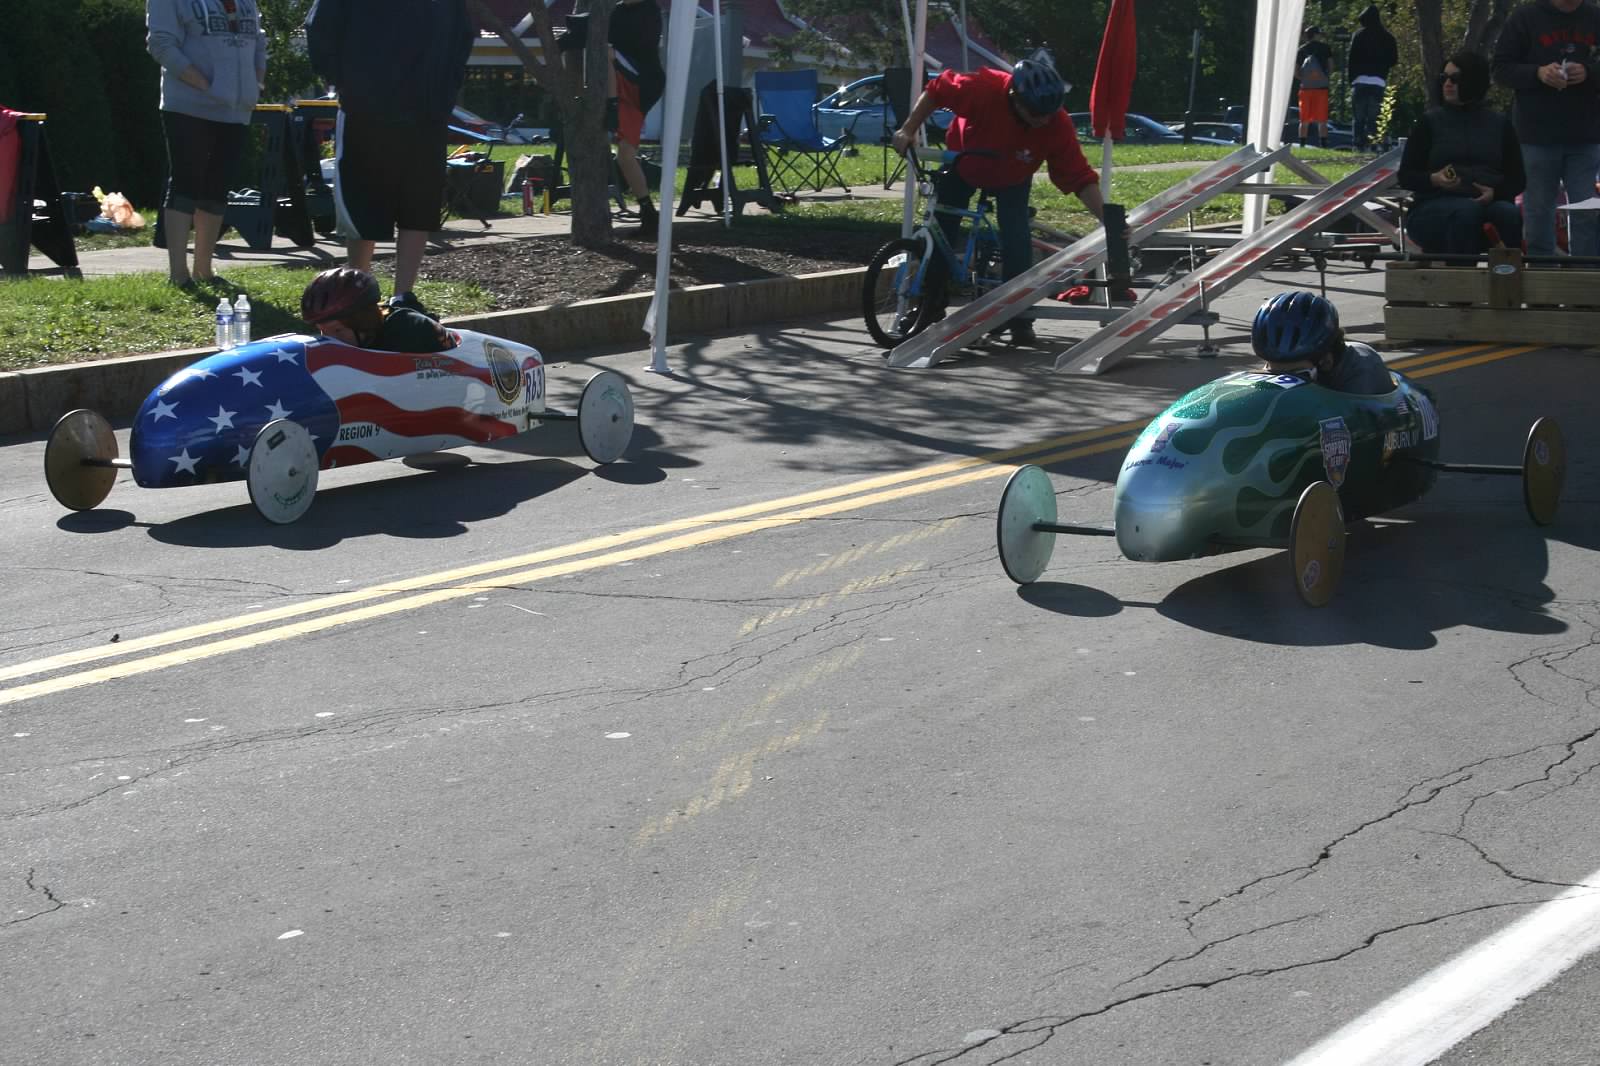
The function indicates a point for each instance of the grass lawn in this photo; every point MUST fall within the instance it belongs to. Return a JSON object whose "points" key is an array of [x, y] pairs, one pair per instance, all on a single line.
{"points": [[46, 320]]}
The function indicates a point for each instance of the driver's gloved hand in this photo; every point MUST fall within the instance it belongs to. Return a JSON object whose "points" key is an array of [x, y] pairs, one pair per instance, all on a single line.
{"points": [[612, 121]]}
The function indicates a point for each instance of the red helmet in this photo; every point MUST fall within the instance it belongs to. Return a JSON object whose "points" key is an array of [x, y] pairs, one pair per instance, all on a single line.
{"points": [[335, 293]]}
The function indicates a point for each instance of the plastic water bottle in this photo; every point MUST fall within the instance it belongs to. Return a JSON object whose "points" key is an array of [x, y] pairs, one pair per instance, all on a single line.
{"points": [[224, 324], [241, 320]]}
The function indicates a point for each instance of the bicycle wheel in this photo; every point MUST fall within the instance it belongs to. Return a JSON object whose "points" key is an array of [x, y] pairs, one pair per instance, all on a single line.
{"points": [[893, 298], [986, 267]]}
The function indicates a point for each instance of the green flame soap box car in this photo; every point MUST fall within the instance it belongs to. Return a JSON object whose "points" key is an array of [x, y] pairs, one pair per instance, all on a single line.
{"points": [[1262, 460]]}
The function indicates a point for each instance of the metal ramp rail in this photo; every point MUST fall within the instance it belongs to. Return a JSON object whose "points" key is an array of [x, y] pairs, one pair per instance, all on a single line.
{"points": [[1165, 308], [1005, 302]]}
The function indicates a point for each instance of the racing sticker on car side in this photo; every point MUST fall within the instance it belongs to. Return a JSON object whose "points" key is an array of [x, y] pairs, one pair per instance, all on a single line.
{"points": [[1162, 438], [505, 372], [1281, 381], [1430, 417], [1334, 437]]}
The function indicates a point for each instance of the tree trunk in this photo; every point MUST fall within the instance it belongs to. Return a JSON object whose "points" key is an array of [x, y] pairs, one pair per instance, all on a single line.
{"points": [[1430, 41], [580, 105]]}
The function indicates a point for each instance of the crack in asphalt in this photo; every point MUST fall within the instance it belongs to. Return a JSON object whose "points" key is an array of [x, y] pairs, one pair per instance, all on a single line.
{"points": [[381, 722], [1305, 869], [162, 582], [1050, 1026], [1502, 867], [1208, 945], [1548, 660], [1571, 747], [37, 889]]}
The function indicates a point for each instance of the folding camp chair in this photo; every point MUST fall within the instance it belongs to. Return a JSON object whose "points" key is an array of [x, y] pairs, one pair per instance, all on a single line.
{"points": [[789, 131], [897, 105]]}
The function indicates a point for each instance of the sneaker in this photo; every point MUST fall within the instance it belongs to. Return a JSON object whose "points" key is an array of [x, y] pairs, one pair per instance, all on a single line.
{"points": [[409, 301], [649, 220], [1022, 334]]}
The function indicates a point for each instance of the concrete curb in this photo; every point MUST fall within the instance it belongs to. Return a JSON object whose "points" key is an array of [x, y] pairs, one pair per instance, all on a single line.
{"points": [[32, 400]]}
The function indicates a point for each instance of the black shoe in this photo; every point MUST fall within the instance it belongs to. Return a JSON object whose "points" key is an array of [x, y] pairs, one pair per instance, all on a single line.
{"points": [[409, 301], [1022, 334], [649, 220]]}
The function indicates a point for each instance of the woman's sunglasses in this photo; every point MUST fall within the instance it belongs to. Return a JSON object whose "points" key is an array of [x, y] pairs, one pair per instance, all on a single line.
{"points": [[1456, 77]]}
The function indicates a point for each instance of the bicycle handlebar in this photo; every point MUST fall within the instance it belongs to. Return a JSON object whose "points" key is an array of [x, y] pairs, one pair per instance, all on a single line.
{"points": [[915, 160]]}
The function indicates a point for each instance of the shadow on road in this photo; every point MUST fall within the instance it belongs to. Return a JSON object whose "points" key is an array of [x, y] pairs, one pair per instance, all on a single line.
{"points": [[1404, 582]]}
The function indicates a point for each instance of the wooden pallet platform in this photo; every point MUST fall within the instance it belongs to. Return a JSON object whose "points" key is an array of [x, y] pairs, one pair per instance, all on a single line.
{"points": [[1503, 302]]}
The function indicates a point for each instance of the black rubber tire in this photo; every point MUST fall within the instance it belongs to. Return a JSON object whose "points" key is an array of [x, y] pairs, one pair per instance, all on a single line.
{"points": [[880, 311]]}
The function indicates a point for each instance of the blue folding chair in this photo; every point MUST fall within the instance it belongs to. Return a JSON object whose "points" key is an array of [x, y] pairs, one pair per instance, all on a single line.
{"points": [[789, 131]]}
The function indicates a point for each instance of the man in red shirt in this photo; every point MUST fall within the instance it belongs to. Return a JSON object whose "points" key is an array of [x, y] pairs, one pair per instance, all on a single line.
{"points": [[1016, 116]]}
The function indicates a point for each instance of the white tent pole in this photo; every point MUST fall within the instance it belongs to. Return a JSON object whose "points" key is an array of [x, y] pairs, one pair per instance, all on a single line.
{"points": [[909, 211], [680, 45], [1104, 270], [1271, 76], [966, 60], [919, 43], [722, 125]]}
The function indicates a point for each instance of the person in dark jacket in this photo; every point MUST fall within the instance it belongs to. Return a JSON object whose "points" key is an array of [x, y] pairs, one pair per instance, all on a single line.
{"points": [[1464, 164], [1313, 66], [1546, 52], [398, 66], [1373, 53]]}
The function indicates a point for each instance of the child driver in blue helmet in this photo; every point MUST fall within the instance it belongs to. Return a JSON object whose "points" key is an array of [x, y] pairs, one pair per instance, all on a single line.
{"points": [[1299, 331]]}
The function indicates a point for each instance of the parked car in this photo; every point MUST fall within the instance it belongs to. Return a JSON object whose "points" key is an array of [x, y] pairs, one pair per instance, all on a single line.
{"points": [[1335, 136], [860, 109], [1141, 129], [1227, 131]]}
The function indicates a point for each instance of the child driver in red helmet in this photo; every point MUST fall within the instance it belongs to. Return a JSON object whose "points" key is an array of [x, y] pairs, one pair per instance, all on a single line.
{"points": [[343, 304]]}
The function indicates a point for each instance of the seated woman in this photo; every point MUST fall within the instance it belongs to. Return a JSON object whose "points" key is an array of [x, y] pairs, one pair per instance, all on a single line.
{"points": [[1464, 164], [1299, 332], [343, 304]]}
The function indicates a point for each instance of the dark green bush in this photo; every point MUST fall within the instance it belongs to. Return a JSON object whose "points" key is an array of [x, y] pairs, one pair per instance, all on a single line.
{"points": [[59, 73], [115, 29]]}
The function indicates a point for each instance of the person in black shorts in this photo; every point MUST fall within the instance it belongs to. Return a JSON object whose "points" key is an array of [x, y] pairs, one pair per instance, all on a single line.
{"points": [[638, 81], [398, 66], [343, 304]]}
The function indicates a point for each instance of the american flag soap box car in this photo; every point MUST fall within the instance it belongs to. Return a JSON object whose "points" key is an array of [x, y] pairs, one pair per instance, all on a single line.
{"points": [[273, 412]]}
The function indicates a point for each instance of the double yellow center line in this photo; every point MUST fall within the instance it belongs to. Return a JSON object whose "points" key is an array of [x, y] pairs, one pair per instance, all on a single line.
{"points": [[210, 639]]}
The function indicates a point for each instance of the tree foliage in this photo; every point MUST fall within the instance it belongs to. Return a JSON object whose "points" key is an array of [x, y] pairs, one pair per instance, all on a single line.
{"points": [[1427, 31], [289, 73]]}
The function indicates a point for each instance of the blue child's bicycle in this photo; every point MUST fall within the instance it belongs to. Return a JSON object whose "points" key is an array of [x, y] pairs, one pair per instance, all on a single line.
{"points": [[902, 294]]}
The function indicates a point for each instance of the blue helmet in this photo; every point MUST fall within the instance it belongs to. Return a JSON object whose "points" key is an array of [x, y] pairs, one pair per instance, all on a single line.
{"points": [[1039, 88], [1294, 326]]}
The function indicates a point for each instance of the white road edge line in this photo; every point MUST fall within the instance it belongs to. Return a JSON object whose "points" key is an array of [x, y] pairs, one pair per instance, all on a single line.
{"points": [[1417, 1025]]}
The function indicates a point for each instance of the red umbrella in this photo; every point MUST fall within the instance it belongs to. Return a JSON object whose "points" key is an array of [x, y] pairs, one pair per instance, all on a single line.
{"points": [[1113, 72]]}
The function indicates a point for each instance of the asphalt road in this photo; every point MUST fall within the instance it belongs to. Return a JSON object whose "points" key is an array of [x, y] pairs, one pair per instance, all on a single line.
{"points": [[744, 750]]}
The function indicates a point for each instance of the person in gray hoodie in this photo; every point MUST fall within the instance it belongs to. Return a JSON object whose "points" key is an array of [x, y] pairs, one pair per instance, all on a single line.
{"points": [[213, 56]]}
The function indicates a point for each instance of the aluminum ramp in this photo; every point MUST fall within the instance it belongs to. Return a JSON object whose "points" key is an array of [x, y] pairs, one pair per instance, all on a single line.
{"points": [[964, 325], [1165, 308]]}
